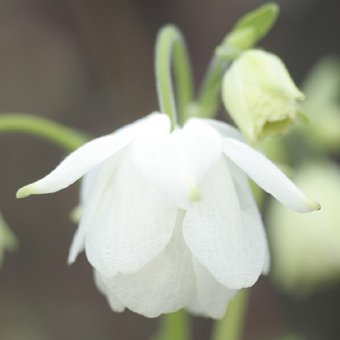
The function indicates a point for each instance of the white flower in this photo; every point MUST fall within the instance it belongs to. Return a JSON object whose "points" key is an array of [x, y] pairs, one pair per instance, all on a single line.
{"points": [[168, 218], [260, 95]]}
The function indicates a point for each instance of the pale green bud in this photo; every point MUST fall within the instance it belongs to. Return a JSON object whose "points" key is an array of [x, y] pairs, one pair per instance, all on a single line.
{"points": [[260, 95], [8, 241], [305, 248]]}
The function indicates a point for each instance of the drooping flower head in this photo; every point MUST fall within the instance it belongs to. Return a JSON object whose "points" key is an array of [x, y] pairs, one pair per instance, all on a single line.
{"points": [[168, 219]]}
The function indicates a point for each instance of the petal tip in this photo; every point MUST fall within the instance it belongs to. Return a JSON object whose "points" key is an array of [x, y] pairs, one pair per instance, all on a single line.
{"points": [[24, 192], [316, 206], [72, 256], [311, 206], [70, 261]]}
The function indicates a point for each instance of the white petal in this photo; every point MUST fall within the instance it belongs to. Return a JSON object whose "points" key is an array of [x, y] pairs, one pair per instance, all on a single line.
{"points": [[224, 129], [251, 215], [222, 234], [163, 286], [212, 297], [176, 163], [88, 183], [89, 155], [194, 307], [94, 194], [264, 173], [132, 224], [114, 302]]}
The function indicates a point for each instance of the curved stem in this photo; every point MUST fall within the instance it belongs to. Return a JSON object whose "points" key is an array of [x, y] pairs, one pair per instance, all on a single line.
{"points": [[170, 44], [231, 326], [42, 127]]}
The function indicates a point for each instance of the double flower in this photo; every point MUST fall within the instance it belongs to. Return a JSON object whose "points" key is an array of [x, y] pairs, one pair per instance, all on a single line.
{"points": [[168, 218]]}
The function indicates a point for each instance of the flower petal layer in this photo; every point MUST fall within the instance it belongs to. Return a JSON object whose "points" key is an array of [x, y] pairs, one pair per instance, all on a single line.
{"points": [[164, 285], [176, 163], [132, 223], [114, 302], [93, 194], [89, 155], [251, 216], [264, 173], [88, 183], [223, 234], [211, 297]]}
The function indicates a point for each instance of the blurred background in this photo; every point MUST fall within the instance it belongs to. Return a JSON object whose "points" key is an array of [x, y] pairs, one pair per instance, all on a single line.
{"points": [[89, 64]]}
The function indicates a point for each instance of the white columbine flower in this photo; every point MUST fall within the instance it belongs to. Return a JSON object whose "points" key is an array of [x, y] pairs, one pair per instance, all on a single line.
{"points": [[168, 218]]}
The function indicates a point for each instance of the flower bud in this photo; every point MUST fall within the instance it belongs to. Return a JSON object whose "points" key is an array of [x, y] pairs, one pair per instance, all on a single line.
{"points": [[305, 251], [260, 95]]}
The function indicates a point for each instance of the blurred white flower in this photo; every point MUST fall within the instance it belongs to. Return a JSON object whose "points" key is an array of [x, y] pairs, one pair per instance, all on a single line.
{"points": [[168, 218], [8, 241], [260, 95], [306, 252], [322, 88]]}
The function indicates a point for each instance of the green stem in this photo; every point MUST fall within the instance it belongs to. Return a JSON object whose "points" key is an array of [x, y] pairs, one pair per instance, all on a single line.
{"points": [[209, 96], [42, 127], [231, 326], [175, 326], [170, 44]]}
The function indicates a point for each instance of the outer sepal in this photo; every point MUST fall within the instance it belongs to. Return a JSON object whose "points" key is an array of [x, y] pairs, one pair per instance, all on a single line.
{"points": [[249, 30]]}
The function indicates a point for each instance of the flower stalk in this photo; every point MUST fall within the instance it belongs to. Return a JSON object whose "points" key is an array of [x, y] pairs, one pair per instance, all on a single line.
{"points": [[65, 137], [175, 326], [231, 327], [171, 47]]}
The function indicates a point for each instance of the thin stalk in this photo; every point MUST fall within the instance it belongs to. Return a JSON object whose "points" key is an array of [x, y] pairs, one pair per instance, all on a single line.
{"points": [[171, 49], [232, 325], [25, 123], [175, 326]]}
